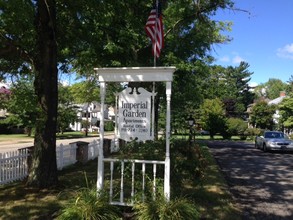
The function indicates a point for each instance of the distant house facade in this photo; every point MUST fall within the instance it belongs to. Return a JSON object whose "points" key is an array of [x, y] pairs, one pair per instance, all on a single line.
{"points": [[276, 101], [91, 113], [4, 91]]}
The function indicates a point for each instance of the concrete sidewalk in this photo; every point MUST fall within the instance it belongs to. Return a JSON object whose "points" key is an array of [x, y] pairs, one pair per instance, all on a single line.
{"points": [[16, 144]]}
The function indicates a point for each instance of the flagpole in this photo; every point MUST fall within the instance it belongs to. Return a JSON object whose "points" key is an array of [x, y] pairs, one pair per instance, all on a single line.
{"points": [[156, 28]]}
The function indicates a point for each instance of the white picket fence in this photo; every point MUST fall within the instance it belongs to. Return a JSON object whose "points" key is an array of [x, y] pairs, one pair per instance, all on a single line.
{"points": [[13, 164], [93, 149], [65, 155], [118, 186]]}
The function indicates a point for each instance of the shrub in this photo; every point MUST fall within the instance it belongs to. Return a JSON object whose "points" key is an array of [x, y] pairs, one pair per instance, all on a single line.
{"points": [[188, 163], [161, 209], [87, 204], [252, 132], [109, 126], [236, 126]]}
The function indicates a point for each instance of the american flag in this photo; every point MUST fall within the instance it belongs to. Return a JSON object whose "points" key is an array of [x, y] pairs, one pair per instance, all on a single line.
{"points": [[154, 29]]}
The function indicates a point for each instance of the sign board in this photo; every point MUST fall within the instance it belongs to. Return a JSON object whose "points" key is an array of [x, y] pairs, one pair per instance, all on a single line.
{"points": [[135, 114]]}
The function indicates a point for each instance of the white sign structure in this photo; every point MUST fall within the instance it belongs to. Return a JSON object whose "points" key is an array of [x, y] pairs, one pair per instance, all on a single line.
{"points": [[138, 107], [135, 115]]}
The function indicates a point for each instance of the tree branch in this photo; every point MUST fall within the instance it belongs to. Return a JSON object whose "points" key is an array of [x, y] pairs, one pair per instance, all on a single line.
{"points": [[10, 50]]}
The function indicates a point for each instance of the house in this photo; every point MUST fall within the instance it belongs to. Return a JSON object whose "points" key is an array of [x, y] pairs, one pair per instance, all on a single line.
{"points": [[4, 91], [277, 101], [91, 112]]}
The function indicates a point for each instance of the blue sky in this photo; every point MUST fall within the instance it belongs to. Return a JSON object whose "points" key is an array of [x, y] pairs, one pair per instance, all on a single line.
{"points": [[263, 38]]}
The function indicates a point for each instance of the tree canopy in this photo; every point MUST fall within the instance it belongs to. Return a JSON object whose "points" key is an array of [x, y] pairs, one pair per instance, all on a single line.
{"points": [[286, 112], [41, 37], [22, 105], [262, 115], [271, 89], [212, 115]]}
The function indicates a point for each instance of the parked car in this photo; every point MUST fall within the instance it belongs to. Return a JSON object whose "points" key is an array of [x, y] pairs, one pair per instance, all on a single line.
{"points": [[274, 141], [203, 132]]}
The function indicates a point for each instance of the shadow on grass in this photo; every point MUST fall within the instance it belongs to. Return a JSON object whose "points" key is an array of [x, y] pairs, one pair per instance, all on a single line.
{"points": [[17, 201]]}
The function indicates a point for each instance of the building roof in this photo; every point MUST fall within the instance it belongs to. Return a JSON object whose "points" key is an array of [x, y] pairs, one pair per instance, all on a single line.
{"points": [[277, 100]]}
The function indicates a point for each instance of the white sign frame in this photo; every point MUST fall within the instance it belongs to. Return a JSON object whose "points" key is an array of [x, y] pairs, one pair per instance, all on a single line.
{"points": [[134, 115], [136, 74]]}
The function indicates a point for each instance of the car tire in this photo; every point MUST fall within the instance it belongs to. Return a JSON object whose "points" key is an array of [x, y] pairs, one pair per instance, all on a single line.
{"points": [[265, 148]]}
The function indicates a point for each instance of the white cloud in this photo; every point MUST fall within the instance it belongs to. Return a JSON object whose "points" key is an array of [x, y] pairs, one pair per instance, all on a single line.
{"points": [[225, 59], [237, 59], [64, 82], [286, 51], [253, 84]]}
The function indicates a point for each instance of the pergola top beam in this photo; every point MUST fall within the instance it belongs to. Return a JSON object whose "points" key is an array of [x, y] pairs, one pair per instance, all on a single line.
{"points": [[135, 74]]}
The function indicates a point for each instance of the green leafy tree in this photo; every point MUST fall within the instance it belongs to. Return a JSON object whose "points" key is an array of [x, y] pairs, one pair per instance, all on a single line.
{"points": [[289, 89], [67, 111], [236, 126], [262, 115], [272, 88], [29, 45], [85, 92], [212, 115], [22, 105], [286, 112], [230, 84], [38, 36]]}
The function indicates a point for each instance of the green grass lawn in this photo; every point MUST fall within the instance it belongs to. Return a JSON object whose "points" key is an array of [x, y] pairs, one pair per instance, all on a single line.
{"points": [[8, 137], [20, 202]]}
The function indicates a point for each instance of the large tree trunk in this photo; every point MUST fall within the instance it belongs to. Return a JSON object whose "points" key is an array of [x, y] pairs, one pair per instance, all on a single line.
{"points": [[43, 172]]}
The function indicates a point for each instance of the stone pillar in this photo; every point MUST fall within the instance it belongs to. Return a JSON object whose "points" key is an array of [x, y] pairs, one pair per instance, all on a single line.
{"points": [[107, 147], [81, 151]]}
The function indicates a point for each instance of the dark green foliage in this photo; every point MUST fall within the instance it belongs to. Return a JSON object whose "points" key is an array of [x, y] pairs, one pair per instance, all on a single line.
{"points": [[262, 115], [212, 116], [231, 86], [252, 132], [187, 164], [153, 150], [160, 209], [236, 126], [88, 204], [75, 36], [286, 112], [109, 126], [22, 105], [67, 112], [187, 161], [273, 88]]}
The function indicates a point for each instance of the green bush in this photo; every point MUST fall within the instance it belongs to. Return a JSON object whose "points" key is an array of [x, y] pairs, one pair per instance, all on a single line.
{"points": [[109, 126], [161, 209], [88, 204], [236, 126], [252, 132], [188, 163]]}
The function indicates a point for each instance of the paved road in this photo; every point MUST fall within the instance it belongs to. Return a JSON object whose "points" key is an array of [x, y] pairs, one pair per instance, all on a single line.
{"points": [[261, 183]]}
